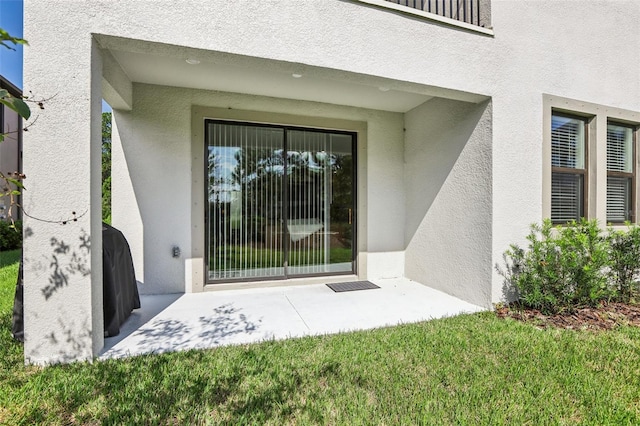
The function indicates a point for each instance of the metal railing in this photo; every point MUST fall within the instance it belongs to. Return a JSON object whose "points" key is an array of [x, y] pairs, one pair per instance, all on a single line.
{"points": [[469, 11]]}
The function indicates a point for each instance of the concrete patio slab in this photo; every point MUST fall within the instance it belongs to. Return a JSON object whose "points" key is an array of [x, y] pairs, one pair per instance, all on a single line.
{"points": [[204, 320]]}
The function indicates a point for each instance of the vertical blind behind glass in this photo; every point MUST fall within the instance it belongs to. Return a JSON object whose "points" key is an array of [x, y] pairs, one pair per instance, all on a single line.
{"points": [[245, 169]]}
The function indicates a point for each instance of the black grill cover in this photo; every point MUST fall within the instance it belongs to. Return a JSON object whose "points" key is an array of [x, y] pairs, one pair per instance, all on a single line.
{"points": [[119, 291]]}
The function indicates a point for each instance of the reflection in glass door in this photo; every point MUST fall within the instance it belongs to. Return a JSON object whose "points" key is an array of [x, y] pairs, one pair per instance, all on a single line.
{"points": [[280, 202], [320, 202]]}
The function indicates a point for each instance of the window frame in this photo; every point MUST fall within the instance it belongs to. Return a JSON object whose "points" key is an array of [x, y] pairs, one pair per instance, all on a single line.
{"points": [[632, 175], [570, 170], [597, 117], [354, 134]]}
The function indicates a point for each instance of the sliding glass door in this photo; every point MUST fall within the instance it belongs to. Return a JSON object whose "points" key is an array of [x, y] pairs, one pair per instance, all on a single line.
{"points": [[280, 202]]}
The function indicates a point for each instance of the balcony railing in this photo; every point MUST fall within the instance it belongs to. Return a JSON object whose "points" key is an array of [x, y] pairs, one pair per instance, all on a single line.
{"points": [[474, 12]]}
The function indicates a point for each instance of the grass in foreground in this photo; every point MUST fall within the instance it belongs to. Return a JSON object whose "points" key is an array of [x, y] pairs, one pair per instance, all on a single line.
{"points": [[474, 369]]}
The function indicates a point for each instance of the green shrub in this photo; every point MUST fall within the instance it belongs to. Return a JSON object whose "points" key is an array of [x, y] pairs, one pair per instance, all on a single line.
{"points": [[563, 268], [10, 235], [106, 200], [624, 262]]}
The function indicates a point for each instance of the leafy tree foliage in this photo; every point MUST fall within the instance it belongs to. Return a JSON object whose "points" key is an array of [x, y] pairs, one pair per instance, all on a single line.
{"points": [[106, 167], [11, 182], [15, 103], [7, 40]]}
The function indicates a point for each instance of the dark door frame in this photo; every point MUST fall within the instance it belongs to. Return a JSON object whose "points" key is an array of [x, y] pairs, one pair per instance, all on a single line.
{"points": [[286, 129]]}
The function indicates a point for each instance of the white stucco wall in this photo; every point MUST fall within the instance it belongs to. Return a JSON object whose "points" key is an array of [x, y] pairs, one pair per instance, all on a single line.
{"points": [[586, 51], [62, 224], [151, 183], [153, 172], [448, 183], [538, 50]]}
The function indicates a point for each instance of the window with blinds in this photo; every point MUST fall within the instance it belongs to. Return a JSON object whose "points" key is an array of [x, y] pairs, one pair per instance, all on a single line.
{"points": [[620, 173], [568, 160]]}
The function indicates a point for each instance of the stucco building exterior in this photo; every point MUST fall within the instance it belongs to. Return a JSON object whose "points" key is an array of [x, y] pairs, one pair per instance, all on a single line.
{"points": [[376, 139]]}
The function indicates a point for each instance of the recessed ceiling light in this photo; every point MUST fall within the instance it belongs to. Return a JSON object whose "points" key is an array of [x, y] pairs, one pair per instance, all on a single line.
{"points": [[383, 88], [192, 61], [296, 75]]}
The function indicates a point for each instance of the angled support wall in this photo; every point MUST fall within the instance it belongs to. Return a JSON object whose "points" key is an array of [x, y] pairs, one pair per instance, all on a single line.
{"points": [[116, 86]]}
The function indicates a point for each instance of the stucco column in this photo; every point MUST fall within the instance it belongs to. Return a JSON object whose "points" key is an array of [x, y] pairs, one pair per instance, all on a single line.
{"points": [[62, 223]]}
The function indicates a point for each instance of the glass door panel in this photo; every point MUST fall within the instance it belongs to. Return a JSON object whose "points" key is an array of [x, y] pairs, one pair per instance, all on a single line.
{"points": [[244, 213], [320, 202], [342, 204], [280, 202]]}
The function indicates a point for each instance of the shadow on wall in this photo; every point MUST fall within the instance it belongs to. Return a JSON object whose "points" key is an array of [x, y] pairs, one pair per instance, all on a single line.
{"points": [[437, 133], [70, 332], [151, 195], [449, 196], [66, 261], [507, 270], [125, 200]]}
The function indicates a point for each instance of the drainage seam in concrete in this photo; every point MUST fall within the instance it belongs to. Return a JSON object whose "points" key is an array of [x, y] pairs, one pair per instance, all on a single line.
{"points": [[294, 308]]}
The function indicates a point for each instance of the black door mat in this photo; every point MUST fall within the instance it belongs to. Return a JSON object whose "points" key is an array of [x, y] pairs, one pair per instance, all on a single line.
{"points": [[352, 286]]}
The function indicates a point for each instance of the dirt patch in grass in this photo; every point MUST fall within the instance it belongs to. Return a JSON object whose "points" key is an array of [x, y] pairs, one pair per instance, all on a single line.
{"points": [[607, 316]]}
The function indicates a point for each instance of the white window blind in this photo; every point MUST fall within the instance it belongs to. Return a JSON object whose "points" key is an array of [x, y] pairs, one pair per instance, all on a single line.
{"points": [[567, 142], [618, 199], [619, 148], [566, 197], [568, 153], [619, 173]]}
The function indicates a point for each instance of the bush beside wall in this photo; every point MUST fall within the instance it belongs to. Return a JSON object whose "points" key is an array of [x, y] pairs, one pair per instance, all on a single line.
{"points": [[567, 267], [10, 235]]}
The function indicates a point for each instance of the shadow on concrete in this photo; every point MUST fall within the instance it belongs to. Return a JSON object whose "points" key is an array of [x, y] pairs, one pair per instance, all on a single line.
{"points": [[165, 333], [227, 321], [151, 306]]}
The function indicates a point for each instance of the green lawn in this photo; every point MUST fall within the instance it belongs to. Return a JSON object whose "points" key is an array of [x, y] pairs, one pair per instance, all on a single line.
{"points": [[473, 369], [237, 258]]}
